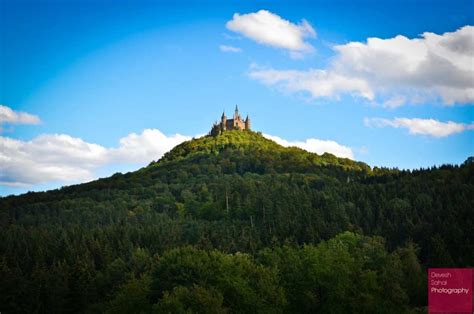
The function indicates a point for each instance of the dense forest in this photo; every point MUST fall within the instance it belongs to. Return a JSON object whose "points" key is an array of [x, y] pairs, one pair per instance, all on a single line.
{"points": [[236, 223]]}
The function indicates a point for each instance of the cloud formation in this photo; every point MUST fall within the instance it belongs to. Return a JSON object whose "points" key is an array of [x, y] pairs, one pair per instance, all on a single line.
{"points": [[8, 115], [270, 29], [142, 148], [62, 158], [319, 83], [318, 146], [428, 127], [394, 71], [226, 48], [48, 158]]}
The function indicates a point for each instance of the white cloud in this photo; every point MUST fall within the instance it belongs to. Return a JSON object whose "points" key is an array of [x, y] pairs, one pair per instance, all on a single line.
{"points": [[151, 144], [270, 29], [48, 158], [8, 115], [395, 101], [62, 158], [318, 146], [394, 71], [428, 127], [319, 83], [226, 48]]}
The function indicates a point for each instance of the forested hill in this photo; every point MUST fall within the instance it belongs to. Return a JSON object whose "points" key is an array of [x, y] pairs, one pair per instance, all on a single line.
{"points": [[237, 223], [246, 143], [231, 153]]}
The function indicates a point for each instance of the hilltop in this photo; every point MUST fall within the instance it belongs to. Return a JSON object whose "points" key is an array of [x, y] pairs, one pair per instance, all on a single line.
{"points": [[231, 152], [253, 146], [208, 199]]}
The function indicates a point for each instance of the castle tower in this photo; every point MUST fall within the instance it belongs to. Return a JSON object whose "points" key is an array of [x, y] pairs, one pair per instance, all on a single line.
{"points": [[247, 123], [223, 120], [236, 114]]}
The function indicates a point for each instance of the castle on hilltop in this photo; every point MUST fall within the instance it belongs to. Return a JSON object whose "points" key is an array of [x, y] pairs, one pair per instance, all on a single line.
{"points": [[237, 123]]}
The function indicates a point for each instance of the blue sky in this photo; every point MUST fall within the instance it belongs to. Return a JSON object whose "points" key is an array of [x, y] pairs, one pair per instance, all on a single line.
{"points": [[81, 81]]}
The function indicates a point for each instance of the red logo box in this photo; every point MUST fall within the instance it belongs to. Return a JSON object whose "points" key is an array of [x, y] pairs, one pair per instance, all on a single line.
{"points": [[450, 290]]}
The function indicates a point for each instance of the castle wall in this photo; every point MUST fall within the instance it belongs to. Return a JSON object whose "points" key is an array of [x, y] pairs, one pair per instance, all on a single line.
{"points": [[240, 124], [232, 124]]}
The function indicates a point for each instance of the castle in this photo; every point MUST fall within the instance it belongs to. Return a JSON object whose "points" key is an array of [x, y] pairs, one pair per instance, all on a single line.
{"points": [[237, 123]]}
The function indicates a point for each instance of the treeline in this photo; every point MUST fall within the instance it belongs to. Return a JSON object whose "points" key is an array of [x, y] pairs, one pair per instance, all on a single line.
{"points": [[349, 273], [236, 198]]}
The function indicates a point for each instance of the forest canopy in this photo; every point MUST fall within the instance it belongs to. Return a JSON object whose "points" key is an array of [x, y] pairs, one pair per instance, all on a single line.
{"points": [[237, 223]]}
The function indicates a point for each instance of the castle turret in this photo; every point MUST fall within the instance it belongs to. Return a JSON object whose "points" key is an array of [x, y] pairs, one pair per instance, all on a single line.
{"points": [[247, 123], [236, 114], [223, 120]]}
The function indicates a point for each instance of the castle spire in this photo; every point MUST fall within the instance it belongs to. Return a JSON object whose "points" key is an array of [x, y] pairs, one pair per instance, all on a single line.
{"points": [[236, 114], [247, 122]]}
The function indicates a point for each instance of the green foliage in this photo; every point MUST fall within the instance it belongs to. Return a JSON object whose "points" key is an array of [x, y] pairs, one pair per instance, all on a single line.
{"points": [[111, 244], [254, 153], [243, 285], [132, 297], [349, 273], [193, 299]]}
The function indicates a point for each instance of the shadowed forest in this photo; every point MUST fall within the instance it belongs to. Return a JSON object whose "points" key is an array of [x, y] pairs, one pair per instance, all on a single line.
{"points": [[235, 223]]}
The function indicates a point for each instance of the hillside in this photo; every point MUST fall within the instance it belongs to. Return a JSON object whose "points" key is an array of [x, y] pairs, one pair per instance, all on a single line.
{"points": [[252, 143], [236, 208]]}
